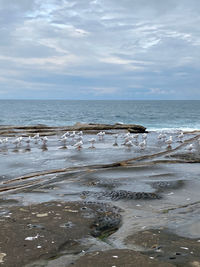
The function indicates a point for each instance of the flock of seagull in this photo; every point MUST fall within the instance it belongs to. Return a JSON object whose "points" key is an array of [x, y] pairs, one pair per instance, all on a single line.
{"points": [[75, 139]]}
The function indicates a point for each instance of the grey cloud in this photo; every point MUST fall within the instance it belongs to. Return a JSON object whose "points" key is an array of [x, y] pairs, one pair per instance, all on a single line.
{"points": [[123, 42]]}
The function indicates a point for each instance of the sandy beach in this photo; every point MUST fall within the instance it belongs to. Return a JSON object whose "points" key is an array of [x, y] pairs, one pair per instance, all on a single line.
{"points": [[112, 205]]}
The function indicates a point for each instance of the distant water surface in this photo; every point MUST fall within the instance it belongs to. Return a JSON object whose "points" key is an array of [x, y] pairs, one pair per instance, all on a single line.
{"points": [[151, 114]]}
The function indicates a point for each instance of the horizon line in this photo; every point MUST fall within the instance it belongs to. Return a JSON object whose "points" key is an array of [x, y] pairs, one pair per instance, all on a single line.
{"points": [[46, 99]]}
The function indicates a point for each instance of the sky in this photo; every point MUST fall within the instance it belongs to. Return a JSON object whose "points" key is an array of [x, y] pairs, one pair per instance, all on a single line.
{"points": [[100, 49]]}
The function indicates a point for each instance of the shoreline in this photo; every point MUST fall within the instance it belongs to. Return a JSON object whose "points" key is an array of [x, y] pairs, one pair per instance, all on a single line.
{"points": [[110, 205]]}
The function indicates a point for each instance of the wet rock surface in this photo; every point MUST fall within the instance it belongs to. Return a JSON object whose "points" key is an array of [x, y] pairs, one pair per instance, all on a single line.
{"points": [[123, 257], [122, 195], [50, 130], [63, 206], [46, 230], [168, 247], [166, 185]]}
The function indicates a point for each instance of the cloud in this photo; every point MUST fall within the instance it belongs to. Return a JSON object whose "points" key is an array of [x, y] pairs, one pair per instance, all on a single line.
{"points": [[108, 44], [158, 91], [103, 90]]}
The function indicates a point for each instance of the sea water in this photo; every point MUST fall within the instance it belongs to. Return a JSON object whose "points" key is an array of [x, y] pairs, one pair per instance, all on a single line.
{"points": [[154, 115]]}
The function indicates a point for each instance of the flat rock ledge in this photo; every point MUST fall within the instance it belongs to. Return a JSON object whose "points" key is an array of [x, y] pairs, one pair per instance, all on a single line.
{"points": [[45, 231], [50, 130]]}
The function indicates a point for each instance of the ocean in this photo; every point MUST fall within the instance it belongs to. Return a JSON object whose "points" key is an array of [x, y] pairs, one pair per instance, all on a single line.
{"points": [[155, 115]]}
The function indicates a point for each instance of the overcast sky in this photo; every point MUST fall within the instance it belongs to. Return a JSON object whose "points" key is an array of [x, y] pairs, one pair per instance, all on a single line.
{"points": [[99, 49]]}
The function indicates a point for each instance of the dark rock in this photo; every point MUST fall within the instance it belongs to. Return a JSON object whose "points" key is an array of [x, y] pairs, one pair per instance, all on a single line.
{"points": [[122, 195]]}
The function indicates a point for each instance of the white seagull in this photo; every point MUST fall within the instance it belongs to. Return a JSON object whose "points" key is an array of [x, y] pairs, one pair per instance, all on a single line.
{"points": [[73, 134], [144, 136], [142, 145], [169, 142], [135, 136], [79, 145], [181, 135], [92, 141], [190, 148], [17, 142], [63, 140], [44, 140], [115, 136], [36, 137], [129, 144], [101, 135]]}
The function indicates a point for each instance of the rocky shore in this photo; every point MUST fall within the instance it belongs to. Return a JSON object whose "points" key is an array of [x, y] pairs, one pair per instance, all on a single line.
{"points": [[108, 206], [49, 131]]}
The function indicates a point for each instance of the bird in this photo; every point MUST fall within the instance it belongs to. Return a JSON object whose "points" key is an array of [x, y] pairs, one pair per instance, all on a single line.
{"points": [[80, 133], [17, 142], [79, 138], [5, 142], [181, 135], [28, 140], [92, 141], [79, 145], [63, 140], [162, 137], [129, 144], [127, 139], [73, 134], [36, 137], [101, 135], [144, 136], [142, 145], [190, 148], [65, 135], [127, 135], [135, 136], [115, 136], [169, 142], [44, 140]]}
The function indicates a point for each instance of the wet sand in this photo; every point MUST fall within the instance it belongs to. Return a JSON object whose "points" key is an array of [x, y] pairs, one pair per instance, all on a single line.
{"points": [[108, 206]]}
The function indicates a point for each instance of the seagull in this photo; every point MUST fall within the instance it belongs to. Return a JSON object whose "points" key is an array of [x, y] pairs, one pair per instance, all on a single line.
{"points": [[101, 135], [73, 134], [169, 142], [5, 141], [28, 140], [63, 140], [80, 133], [129, 144], [135, 136], [142, 145], [162, 137], [190, 148], [17, 142], [79, 145], [44, 142], [127, 135], [115, 136], [79, 138], [36, 137], [65, 135], [144, 136], [127, 139], [181, 135], [92, 141]]}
